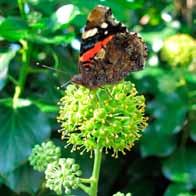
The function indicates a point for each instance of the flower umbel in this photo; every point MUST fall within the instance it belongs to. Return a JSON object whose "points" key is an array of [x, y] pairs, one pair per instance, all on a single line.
{"points": [[43, 154], [62, 176], [111, 117], [179, 50]]}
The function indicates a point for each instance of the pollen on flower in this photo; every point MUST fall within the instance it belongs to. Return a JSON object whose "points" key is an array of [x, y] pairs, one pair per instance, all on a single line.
{"points": [[111, 117]]}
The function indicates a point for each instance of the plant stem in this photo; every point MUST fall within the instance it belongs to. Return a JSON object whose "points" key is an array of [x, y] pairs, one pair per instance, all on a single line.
{"points": [[21, 8], [25, 67], [23, 72], [85, 188], [85, 180], [25, 61], [96, 171]]}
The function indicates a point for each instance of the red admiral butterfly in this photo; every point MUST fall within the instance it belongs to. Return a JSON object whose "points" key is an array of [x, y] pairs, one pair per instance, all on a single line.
{"points": [[108, 50]]}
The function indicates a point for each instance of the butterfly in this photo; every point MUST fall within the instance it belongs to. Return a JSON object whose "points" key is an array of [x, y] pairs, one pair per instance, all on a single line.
{"points": [[109, 52]]}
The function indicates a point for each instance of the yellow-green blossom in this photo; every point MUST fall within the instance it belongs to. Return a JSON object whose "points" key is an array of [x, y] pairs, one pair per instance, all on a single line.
{"points": [[43, 154], [179, 50], [111, 117], [62, 176]]}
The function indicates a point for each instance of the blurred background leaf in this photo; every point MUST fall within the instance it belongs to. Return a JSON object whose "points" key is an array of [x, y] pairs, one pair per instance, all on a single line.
{"points": [[5, 58]]}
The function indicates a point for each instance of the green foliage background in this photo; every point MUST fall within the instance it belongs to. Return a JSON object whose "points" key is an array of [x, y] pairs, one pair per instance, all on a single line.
{"points": [[163, 162]]}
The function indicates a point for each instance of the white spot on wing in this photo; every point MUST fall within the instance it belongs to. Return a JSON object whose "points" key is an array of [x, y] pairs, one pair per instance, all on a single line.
{"points": [[89, 33], [104, 25]]}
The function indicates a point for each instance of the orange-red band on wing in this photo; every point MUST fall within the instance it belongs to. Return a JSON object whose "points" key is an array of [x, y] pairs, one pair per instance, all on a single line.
{"points": [[90, 53]]}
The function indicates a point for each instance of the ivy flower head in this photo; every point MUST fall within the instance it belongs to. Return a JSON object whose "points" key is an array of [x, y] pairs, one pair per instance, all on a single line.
{"points": [[44, 154], [111, 117], [179, 50], [62, 176]]}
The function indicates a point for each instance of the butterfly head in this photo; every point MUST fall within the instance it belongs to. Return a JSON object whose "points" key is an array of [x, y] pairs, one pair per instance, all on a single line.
{"points": [[99, 17]]}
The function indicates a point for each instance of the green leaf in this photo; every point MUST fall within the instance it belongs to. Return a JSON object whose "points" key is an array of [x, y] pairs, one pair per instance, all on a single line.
{"points": [[137, 178], [169, 111], [178, 190], [5, 58], [191, 126], [63, 16], [40, 5], [153, 36], [13, 29], [58, 39], [190, 84], [6, 101], [180, 166], [154, 142], [45, 107], [193, 130], [145, 78], [59, 20], [134, 4], [20, 130], [190, 77], [24, 179]]}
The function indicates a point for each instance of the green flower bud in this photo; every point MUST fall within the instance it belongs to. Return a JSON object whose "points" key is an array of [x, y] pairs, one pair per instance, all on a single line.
{"points": [[111, 117], [62, 176], [44, 154], [121, 194], [179, 50]]}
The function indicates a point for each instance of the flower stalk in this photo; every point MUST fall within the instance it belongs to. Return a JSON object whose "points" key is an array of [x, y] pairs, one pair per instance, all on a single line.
{"points": [[96, 172]]}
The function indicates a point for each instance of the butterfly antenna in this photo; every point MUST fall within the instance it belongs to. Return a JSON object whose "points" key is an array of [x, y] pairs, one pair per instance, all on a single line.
{"points": [[65, 84], [57, 70], [50, 68]]}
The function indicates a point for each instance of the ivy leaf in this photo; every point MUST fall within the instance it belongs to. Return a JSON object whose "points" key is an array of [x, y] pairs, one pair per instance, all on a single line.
{"points": [[155, 35], [5, 58], [13, 29], [24, 179], [169, 110], [21, 129], [145, 78], [58, 39], [178, 189], [180, 166], [60, 19], [45, 107], [193, 130], [154, 142], [63, 16], [191, 126]]}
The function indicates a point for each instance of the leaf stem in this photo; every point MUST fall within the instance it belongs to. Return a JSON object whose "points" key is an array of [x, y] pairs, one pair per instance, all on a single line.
{"points": [[96, 171], [23, 72], [21, 8]]}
